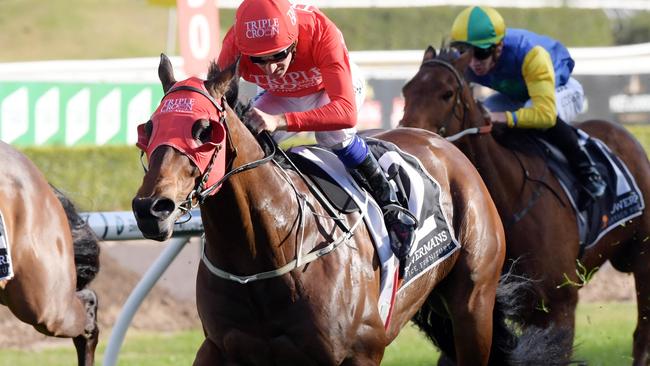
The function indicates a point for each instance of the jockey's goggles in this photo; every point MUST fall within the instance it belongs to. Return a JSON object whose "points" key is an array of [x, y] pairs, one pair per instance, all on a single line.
{"points": [[483, 53], [276, 57]]}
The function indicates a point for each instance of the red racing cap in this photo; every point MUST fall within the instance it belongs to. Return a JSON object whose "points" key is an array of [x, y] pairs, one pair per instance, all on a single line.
{"points": [[264, 27]]}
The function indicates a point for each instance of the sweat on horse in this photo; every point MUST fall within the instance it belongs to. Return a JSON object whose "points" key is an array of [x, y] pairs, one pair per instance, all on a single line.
{"points": [[315, 302]]}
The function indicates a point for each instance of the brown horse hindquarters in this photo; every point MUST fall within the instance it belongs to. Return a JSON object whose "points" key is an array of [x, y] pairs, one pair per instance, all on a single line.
{"points": [[42, 292], [466, 282], [541, 228], [627, 247]]}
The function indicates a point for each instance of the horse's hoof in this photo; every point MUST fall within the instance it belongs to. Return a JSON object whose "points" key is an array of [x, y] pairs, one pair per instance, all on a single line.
{"points": [[89, 298]]}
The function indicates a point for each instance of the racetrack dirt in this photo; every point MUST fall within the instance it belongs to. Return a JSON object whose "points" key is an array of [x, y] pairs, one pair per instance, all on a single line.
{"points": [[171, 304]]}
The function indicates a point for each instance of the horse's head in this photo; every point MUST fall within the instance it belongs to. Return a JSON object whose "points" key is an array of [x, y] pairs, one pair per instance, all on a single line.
{"points": [[184, 144], [437, 97]]}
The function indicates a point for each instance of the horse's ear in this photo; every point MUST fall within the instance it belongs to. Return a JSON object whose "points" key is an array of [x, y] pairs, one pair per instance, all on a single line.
{"points": [[462, 62], [219, 81], [166, 73], [429, 54]]}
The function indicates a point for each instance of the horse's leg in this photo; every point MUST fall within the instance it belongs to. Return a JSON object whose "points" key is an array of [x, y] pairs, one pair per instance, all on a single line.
{"points": [[641, 345], [559, 311], [86, 343], [208, 355], [469, 292], [43, 295]]}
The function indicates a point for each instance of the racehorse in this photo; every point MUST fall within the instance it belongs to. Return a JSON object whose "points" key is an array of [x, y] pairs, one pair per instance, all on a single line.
{"points": [[264, 216], [54, 255], [540, 224]]}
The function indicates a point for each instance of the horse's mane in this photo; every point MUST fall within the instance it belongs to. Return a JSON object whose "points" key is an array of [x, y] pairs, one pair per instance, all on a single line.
{"points": [[232, 98], [232, 93], [448, 53]]}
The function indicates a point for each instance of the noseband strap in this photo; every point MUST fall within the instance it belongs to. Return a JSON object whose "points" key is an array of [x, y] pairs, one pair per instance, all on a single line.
{"points": [[200, 192]]}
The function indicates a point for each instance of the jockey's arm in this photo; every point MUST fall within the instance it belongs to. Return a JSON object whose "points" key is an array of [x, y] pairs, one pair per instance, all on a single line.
{"points": [[539, 75], [339, 113], [331, 57]]}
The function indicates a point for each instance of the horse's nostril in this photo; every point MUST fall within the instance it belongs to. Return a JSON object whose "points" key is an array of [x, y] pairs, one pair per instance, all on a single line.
{"points": [[162, 208]]}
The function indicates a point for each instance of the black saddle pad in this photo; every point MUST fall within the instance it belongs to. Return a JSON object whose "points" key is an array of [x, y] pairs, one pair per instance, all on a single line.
{"points": [[622, 199], [417, 190], [325, 183]]}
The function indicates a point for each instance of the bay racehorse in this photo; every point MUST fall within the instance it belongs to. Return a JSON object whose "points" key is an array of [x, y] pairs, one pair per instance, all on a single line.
{"points": [[263, 217], [541, 231], [54, 256]]}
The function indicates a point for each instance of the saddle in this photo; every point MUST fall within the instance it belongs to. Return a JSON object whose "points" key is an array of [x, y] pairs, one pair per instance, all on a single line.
{"points": [[622, 200], [417, 190]]}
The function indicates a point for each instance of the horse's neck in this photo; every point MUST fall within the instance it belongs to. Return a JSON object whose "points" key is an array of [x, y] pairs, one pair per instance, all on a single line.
{"points": [[251, 211], [494, 162]]}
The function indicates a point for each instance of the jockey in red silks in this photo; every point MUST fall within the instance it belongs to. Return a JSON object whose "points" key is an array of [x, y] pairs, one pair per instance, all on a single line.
{"points": [[299, 58]]}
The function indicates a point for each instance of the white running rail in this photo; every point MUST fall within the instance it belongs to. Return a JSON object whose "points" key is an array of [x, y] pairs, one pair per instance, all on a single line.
{"points": [[121, 225]]}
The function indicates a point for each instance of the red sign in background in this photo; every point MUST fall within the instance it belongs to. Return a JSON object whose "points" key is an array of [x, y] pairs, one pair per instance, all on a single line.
{"points": [[198, 29]]}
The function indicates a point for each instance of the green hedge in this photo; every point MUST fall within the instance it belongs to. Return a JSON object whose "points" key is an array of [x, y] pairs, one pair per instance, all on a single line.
{"points": [[415, 28], [95, 178]]}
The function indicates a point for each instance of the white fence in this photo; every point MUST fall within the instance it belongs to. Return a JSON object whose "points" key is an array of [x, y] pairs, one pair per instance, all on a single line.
{"points": [[121, 225], [618, 60], [102, 101]]}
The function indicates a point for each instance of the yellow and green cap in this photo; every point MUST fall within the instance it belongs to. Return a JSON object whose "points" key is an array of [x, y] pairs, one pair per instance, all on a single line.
{"points": [[479, 26]]}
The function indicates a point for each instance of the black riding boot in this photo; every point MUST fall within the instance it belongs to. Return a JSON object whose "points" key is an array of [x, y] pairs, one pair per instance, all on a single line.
{"points": [[400, 222], [591, 178], [565, 137]]}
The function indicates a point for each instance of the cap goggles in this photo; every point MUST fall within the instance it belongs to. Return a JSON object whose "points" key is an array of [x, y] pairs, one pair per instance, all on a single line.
{"points": [[483, 53], [276, 57]]}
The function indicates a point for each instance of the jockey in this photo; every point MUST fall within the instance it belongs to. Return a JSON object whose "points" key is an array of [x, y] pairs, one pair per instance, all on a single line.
{"points": [[299, 58], [531, 75]]}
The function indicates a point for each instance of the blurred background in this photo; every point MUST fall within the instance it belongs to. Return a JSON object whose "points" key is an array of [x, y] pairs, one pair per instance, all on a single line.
{"points": [[78, 76], [83, 74]]}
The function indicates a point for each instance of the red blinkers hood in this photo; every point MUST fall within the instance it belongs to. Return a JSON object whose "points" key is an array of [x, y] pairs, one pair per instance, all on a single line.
{"points": [[172, 126]]}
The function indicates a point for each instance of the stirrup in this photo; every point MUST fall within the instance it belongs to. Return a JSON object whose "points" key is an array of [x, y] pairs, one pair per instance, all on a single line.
{"points": [[399, 209], [401, 226], [595, 186], [592, 181]]}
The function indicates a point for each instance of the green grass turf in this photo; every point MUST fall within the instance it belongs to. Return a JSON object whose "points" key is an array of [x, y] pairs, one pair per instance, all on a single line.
{"points": [[604, 337]]}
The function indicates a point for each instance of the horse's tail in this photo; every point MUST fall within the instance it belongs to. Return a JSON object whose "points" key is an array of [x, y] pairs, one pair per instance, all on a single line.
{"points": [[85, 243], [513, 344]]}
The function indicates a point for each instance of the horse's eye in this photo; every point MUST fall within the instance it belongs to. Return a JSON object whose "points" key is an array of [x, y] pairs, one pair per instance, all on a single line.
{"points": [[447, 95], [202, 131]]}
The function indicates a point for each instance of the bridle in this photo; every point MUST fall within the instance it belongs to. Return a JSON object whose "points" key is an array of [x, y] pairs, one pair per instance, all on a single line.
{"points": [[517, 216], [198, 195], [200, 192], [458, 102]]}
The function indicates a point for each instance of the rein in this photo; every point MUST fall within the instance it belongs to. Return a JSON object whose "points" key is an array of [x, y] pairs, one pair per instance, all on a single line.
{"points": [[299, 260], [517, 216], [198, 195]]}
